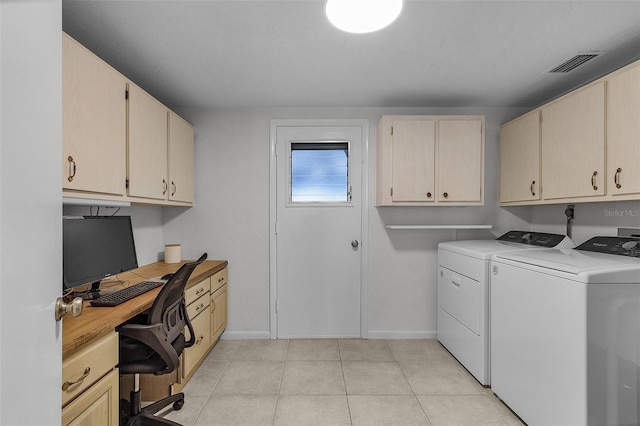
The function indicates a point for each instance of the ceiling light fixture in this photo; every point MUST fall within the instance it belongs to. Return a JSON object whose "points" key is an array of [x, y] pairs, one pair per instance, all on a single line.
{"points": [[362, 16]]}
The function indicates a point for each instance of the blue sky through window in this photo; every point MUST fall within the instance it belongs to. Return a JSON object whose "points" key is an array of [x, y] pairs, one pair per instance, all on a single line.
{"points": [[319, 172]]}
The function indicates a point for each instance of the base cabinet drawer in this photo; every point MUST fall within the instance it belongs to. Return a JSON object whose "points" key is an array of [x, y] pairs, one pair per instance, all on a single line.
{"points": [[98, 405]]}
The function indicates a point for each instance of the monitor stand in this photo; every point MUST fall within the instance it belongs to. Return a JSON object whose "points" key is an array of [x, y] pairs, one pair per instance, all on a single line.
{"points": [[91, 294]]}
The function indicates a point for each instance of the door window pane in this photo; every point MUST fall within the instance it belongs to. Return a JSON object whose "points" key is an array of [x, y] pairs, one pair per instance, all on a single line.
{"points": [[319, 172]]}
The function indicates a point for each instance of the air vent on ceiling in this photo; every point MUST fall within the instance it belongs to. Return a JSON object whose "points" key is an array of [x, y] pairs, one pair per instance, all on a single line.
{"points": [[573, 63]]}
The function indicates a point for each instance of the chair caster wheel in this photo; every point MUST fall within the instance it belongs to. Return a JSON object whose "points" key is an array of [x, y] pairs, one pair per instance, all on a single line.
{"points": [[178, 405]]}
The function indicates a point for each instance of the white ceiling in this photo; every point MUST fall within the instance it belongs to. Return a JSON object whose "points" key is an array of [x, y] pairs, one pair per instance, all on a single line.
{"points": [[234, 53]]}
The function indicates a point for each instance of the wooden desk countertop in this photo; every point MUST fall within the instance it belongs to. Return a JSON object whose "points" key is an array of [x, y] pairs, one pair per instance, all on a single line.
{"points": [[96, 322]]}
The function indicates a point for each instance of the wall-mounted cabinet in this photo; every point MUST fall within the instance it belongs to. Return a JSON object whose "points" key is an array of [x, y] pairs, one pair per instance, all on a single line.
{"points": [[623, 133], [94, 123], [589, 144], [147, 166], [120, 143], [520, 159], [573, 144], [181, 157], [430, 160]]}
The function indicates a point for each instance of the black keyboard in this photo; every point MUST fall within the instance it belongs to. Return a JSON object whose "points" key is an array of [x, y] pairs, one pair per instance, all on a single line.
{"points": [[121, 296]]}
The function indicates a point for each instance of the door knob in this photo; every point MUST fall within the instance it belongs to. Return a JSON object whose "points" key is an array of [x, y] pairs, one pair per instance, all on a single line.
{"points": [[62, 308], [355, 244]]}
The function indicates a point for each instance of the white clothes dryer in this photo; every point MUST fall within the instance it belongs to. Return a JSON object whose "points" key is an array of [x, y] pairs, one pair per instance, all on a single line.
{"points": [[565, 333], [463, 293]]}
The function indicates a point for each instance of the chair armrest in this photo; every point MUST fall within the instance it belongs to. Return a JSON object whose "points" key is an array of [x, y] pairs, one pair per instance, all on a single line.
{"points": [[152, 336]]}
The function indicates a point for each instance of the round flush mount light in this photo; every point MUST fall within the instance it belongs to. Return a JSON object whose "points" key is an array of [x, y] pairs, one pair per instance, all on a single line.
{"points": [[362, 16]]}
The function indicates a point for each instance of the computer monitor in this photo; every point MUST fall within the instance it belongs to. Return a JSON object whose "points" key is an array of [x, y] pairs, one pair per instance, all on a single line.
{"points": [[94, 248]]}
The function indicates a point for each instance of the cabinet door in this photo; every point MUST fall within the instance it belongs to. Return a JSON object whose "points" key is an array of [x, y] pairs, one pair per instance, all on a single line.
{"points": [[573, 145], [623, 132], [413, 153], [180, 159], [520, 159], [460, 159], [98, 405], [147, 146], [192, 356], [218, 312], [94, 113]]}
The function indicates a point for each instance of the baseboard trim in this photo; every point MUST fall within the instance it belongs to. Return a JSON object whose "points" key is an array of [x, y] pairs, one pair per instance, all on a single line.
{"points": [[391, 334], [245, 335]]}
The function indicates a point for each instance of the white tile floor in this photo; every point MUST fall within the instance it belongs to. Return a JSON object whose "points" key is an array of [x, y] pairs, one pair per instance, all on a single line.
{"points": [[336, 382]]}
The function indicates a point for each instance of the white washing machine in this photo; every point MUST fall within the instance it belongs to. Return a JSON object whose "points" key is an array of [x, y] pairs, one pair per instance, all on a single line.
{"points": [[463, 293], [565, 333]]}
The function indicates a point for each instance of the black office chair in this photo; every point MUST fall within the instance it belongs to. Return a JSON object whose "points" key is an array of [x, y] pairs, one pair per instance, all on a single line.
{"points": [[152, 342]]}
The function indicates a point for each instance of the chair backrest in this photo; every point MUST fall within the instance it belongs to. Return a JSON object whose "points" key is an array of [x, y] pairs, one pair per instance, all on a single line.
{"points": [[169, 307]]}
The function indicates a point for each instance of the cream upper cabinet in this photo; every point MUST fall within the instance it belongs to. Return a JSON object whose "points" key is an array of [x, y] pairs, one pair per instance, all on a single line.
{"points": [[93, 122], [520, 159], [412, 160], [430, 160], [460, 160], [147, 170], [573, 146], [623, 132], [181, 141]]}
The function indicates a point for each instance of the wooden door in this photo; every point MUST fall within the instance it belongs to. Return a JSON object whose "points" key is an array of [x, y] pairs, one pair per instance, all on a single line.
{"points": [[147, 146], [520, 159], [413, 164], [573, 149], [623, 132], [460, 160], [181, 141], [94, 113]]}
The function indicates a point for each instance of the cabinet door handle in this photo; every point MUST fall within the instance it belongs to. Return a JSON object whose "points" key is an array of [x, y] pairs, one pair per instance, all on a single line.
{"points": [[593, 180], [531, 188], [213, 306], [72, 168], [428, 195], [616, 178], [445, 194], [174, 188], [85, 374], [166, 186]]}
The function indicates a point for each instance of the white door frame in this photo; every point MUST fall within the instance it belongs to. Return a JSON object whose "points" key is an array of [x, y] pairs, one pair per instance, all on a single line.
{"points": [[364, 266]]}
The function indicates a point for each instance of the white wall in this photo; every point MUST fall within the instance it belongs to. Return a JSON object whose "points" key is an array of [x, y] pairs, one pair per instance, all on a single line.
{"points": [[30, 211], [231, 218], [591, 219]]}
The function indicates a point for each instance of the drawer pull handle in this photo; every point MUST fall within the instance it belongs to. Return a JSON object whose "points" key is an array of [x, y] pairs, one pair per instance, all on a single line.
{"points": [[593, 180], [616, 178], [200, 291], [456, 282], [199, 307], [200, 339], [221, 279], [68, 384]]}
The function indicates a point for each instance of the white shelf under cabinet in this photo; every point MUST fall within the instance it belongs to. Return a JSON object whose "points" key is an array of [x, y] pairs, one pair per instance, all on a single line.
{"points": [[438, 226]]}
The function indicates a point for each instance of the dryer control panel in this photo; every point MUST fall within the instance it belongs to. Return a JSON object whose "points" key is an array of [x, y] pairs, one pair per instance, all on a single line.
{"points": [[621, 246], [541, 239]]}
